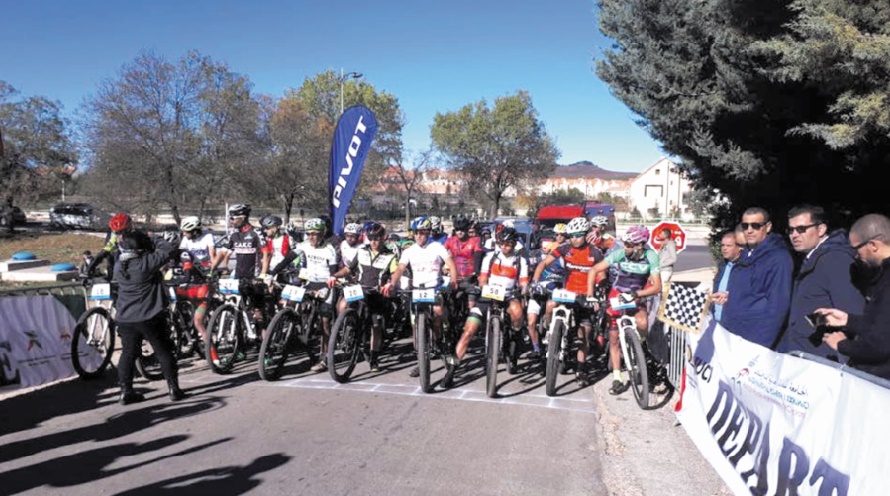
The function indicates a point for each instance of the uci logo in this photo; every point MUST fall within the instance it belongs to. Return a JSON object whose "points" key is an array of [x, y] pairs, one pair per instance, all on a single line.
{"points": [[351, 152]]}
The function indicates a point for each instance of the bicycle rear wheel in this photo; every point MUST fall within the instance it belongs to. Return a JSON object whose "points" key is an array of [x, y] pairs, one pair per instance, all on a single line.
{"points": [[344, 345], [554, 345], [635, 362], [147, 363], [224, 338], [277, 343], [93, 343], [492, 354]]}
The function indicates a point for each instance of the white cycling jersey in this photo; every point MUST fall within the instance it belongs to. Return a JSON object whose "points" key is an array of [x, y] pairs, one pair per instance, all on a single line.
{"points": [[426, 263], [198, 248], [318, 263], [347, 253]]}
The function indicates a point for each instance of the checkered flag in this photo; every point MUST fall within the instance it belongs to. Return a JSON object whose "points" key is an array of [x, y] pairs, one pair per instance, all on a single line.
{"points": [[684, 308]]}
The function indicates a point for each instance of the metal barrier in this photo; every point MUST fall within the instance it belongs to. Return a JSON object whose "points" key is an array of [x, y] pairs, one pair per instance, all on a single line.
{"points": [[71, 294], [678, 355]]}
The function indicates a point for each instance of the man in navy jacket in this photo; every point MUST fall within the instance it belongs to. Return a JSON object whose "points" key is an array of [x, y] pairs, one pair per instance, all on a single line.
{"points": [[759, 292], [823, 281], [866, 337]]}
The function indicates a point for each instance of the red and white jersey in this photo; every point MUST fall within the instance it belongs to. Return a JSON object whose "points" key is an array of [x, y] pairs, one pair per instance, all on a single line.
{"points": [[503, 270], [278, 247], [462, 252]]}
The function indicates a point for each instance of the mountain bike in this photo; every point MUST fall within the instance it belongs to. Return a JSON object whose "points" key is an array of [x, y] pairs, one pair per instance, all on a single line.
{"points": [[501, 341], [428, 346], [632, 352], [94, 336], [232, 328], [558, 339], [350, 334], [298, 321]]}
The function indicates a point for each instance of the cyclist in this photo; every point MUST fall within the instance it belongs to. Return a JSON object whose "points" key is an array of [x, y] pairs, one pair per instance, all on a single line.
{"points": [[466, 251], [639, 275], [505, 268], [374, 265], [436, 234], [119, 224], [200, 245], [275, 247], [350, 244], [319, 264], [553, 276], [598, 235], [425, 260], [246, 244], [579, 257]]}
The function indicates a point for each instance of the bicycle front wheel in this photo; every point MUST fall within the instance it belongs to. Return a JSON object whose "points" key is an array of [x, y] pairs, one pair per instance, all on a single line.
{"points": [[277, 343], [147, 363], [635, 362], [223, 338], [554, 345], [344, 345], [93, 343], [423, 351], [492, 353]]}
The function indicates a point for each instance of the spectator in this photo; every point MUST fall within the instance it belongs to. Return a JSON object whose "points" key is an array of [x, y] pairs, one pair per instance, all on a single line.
{"points": [[865, 337], [823, 280], [140, 310], [760, 287], [667, 254], [730, 248]]}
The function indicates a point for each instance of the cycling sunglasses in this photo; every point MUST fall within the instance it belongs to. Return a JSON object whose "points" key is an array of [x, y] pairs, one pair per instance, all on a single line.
{"points": [[577, 235], [753, 225]]}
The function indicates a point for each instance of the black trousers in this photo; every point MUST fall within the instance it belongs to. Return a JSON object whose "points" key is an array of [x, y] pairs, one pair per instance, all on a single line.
{"points": [[154, 331]]}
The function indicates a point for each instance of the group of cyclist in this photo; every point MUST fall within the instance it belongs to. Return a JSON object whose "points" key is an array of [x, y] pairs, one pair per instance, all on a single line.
{"points": [[582, 258]]}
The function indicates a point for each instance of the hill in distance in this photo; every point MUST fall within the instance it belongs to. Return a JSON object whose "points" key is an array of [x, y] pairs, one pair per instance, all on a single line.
{"points": [[590, 170]]}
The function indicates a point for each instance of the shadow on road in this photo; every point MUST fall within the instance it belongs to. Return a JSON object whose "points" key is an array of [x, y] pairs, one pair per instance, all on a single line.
{"points": [[87, 467], [118, 425], [222, 480]]}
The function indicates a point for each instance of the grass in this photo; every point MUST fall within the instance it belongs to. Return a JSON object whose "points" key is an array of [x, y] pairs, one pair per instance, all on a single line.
{"points": [[56, 247]]}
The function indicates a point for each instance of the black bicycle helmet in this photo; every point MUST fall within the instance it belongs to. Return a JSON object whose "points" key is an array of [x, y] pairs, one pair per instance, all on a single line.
{"points": [[375, 230], [271, 221], [507, 235], [461, 224], [239, 210]]}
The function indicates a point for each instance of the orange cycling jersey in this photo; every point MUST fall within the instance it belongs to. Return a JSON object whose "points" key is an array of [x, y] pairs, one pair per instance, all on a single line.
{"points": [[578, 262]]}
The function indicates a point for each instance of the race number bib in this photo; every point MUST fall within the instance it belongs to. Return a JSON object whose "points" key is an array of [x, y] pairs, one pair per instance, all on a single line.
{"points": [[100, 292], [353, 293], [564, 296], [423, 296], [229, 286], [293, 293], [617, 304], [494, 292]]}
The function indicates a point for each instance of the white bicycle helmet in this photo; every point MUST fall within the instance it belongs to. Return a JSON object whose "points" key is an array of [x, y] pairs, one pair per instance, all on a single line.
{"points": [[172, 236], [599, 220], [435, 223], [352, 228], [190, 224], [559, 228], [577, 225]]}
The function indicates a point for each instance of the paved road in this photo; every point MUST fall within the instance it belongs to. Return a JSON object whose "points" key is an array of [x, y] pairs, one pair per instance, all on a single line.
{"points": [[308, 435]]}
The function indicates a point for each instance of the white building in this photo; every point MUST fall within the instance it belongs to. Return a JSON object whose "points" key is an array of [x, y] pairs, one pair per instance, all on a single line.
{"points": [[662, 189]]}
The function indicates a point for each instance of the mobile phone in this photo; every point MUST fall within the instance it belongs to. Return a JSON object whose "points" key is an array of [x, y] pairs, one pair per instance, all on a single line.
{"points": [[815, 320]]}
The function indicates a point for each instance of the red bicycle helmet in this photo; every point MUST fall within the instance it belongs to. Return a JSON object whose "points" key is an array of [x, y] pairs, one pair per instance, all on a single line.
{"points": [[120, 222]]}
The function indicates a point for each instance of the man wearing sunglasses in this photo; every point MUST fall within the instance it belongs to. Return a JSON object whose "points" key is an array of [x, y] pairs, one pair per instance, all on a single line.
{"points": [[759, 291], [823, 280], [865, 337]]}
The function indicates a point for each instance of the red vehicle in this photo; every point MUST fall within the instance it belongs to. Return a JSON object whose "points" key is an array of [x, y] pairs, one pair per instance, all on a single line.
{"points": [[551, 215]]}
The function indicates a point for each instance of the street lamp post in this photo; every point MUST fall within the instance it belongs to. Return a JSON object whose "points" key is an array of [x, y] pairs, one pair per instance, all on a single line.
{"points": [[343, 78]]}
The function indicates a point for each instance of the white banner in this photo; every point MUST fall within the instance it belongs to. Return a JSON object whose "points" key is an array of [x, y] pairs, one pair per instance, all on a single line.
{"points": [[35, 341], [776, 424]]}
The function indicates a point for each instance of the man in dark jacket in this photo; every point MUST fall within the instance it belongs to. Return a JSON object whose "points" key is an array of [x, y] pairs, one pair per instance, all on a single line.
{"points": [[140, 310], [865, 338], [823, 280], [759, 291]]}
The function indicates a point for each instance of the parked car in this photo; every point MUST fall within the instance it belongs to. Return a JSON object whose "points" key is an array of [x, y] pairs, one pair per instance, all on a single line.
{"points": [[78, 216]]}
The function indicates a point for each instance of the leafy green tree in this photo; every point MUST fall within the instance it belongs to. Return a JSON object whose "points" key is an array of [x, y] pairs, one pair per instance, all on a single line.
{"points": [[38, 151], [496, 149], [767, 102]]}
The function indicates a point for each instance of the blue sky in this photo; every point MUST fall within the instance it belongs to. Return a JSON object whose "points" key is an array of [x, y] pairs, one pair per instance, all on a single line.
{"points": [[433, 56]]}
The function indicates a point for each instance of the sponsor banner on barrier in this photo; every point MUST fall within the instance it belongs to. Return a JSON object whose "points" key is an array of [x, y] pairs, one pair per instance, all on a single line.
{"points": [[776, 424], [35, 341]]}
